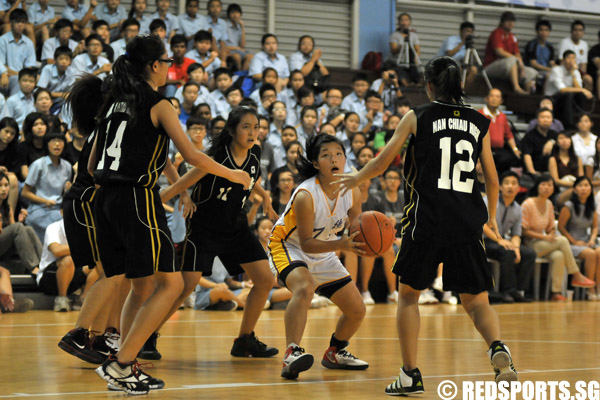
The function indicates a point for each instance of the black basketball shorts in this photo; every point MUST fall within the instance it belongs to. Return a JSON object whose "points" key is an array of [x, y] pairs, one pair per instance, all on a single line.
{"points": [[80, 228]]}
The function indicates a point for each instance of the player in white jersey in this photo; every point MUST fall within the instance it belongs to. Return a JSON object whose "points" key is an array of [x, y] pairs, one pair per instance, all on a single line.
{"points": [[302, 254]]}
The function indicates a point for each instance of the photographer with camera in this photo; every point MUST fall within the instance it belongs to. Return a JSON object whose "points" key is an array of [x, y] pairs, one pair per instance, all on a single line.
{"points": [[456, 47], [405, 35], [388, 86]]}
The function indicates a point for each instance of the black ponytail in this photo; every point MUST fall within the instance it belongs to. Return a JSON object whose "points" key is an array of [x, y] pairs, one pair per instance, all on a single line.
{"points": [[85, 99], [445, 75], [223, 139], [306, 168]]}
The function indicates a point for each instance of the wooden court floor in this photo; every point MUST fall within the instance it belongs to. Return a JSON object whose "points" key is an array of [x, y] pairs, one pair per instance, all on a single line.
{"points": [[548, 341]]}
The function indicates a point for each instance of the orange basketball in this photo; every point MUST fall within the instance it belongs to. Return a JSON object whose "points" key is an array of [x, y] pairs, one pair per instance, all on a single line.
{"points": [[376, 231]]}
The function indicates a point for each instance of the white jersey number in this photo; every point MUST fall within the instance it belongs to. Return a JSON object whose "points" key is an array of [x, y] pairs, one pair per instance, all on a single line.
{"points": [[114, 150], [444, 181], [223, 193]]}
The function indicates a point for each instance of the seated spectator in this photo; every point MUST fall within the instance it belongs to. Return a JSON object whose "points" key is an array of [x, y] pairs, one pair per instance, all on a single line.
{"points": [[593, 65], [584, 144], [537, 144], [114, 14], [190, 94], [455, 47], [564, 166], [32, 148], [308, 60], [91, 62], [350, 128], [137, 11], [11, 158], [170, 20], [330, 111], [289, 94], [306, 97], [383, 136], [278, 113], [269, 75], [64, 32], [214, 293], [218, 28], [578, 222], [267, 155], [565, 85], [223, 81], [21, 103], [503, 59], [234, 96], [407, 69], [58, 77], [282, 192], [579, 47], [387, 86], [540, 233], [16, 50], [374, 114], [195, 74], [359, 140], [548, 103], [202, 54], [100, 27], [8, 304], [308, 124], [402, 106], [45, 184], [42, 101], [58, 275], [191, 22], [269, 57], [355, 101], [539, 52], [236, 38], [293, 148], [74, 147], [516, 260], [215, 128], [129, 29], [505, 150], [80, 15]]}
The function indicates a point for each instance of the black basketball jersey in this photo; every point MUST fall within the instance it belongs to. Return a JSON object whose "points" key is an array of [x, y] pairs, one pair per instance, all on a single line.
{"points": [[131, 151], [441, 195], [83, 187], [220, 203]]}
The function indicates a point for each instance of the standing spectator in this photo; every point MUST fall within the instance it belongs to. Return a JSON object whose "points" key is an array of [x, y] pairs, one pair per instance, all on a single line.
{"points": [[236, 38], [41, 16], [138, 7], [16, 50], [162, 13], [455, 47], [269, 57], [387, 86], [91, 62], [403, 36], [504, 148], [537, 144], [503, 58], [584, 143], [64, 31], [80, 15], [565, 85], [21, 103], [516, 260], [129, 29], [114, 14], [308, 60], [191, 22], [218, 27], [593, 65], [579, 47]]}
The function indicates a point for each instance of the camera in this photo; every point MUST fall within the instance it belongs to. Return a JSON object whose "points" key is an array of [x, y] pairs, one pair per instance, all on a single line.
{"points": [[392, 75], [469, 41], [406, 31]]}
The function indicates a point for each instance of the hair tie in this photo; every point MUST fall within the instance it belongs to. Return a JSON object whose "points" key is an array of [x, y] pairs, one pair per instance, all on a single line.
{"points": [[126, 55]]}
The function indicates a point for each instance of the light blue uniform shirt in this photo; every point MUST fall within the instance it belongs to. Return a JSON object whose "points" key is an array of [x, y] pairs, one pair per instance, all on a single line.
{"points": [[274, 139], [83, 64], [353, 103], [450, 43], [203, 96], [38, 16], [189, 26], [5, 5], [50, 46], [53, 81], [119, 47], [170, 21], [194, 55], [297, 60], [17, 55], [2, 69], [18, 107], [221, 106], [74, 14], [2, 103], [234, 34], [117, 16], [261, 61], [219, 28], [47, 179], [145, 24]]}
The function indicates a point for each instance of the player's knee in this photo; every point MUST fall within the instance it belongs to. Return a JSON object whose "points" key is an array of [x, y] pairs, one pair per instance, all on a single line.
{"points": [[305, 292], [358, 312]]}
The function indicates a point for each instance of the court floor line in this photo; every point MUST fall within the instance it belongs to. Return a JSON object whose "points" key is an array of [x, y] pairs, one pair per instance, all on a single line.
{"points": [[251, 384]]}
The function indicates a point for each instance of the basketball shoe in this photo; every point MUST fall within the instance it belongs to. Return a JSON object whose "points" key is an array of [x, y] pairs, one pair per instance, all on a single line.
{"points": [[149, 351], [249, 346], [99, 344], [502, 362], [153, 383], [295, 361], [335, 358], [112, 336], [77, 343], [124, 377], [410, 382]]}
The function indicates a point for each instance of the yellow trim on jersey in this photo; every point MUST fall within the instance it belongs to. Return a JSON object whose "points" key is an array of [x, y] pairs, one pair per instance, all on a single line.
{"points": [[279, 255], [331, 281], [412, 177], [150, 227], [93, 195], [151, 162], [156, 227], [282, 232], [91, 229], [162, 146]]}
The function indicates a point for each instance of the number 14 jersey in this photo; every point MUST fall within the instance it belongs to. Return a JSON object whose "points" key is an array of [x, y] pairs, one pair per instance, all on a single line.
{"points": [[443, 202]]}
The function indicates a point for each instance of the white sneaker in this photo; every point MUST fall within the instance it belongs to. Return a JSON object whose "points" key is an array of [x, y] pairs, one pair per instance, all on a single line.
{"points": [[190, 300], [393, 297], [61, 304], [438, 284], [427, 297], [449, 299], [295, 361], [112, 339], [367, 299], [341, 359]]}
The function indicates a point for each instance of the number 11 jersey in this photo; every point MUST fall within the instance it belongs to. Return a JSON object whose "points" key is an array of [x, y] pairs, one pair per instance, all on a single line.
{"points": [[443, 202]]}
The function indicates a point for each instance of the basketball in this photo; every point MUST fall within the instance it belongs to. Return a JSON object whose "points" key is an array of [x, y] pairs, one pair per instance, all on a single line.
{"points": [[376, 231]]}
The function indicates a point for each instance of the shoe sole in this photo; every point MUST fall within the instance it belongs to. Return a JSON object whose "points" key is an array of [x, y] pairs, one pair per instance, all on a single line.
{"points": [[268, 354], [330, 365], [111, 381], [149, 356], [78, 353], [404, 394], [114, 388], [300, 365], [501, 361]]}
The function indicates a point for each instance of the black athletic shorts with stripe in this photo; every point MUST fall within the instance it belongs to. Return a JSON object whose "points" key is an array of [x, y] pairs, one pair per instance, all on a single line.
{"points": [[133, 236], [80, 228], [465, 265]]}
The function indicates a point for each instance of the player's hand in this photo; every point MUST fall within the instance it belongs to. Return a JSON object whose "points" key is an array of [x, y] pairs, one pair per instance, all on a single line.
{"points": [[241, 177], [493, 225], [268, 210], [348, 244], [187, 205], [346, 182]]}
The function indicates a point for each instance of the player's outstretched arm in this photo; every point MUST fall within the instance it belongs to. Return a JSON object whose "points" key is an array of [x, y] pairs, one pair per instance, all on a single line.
{"points": [[491, 182], [163, 114], [185, 202], [181, 184], [267, 201], [379, 164]]}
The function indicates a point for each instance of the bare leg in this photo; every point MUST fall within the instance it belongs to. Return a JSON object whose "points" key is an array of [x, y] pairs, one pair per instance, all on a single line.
{"points": [[408, 323], [353, 309], [262, 278], [302, 285], [220, 294], [351, 264], [483, 315], [366, 270], [64, 274], [514, 79], [247, 59], [13, 193], [190, 280]]}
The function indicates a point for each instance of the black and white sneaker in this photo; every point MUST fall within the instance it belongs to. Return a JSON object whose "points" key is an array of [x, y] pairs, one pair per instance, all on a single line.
{"points": [[406, 383], [113, 337], [249, 346], [153, 383], [335, 358], [502, 362], [295, 361], [149, 351], [124, 377], [99, 345], [77, 343]]}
